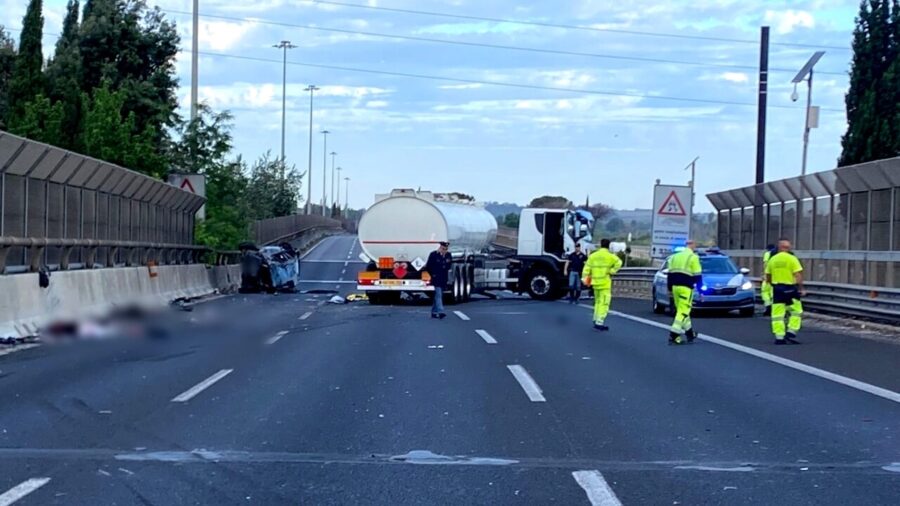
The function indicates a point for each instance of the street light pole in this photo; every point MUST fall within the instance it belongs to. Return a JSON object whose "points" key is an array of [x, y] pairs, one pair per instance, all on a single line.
{"points": [[338, 192], [346, 195], [324, 167], [333, 154], [693, 167], [806, 73], [311, 89], [284, 46], [195, 44]]}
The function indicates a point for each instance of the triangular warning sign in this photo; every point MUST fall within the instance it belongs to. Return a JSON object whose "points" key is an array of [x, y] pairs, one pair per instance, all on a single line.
{"points": [[190, 187], [672, 206]]}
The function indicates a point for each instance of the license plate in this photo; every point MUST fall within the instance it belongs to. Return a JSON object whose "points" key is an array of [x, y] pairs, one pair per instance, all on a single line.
{"points": [[391, 282]]}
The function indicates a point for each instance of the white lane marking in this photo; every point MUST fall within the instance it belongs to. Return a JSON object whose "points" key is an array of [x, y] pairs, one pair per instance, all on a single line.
{"points": [[462, 316], [21, 490], [815, 371], [598, 490], [274, 339], [20, 347], [487, 337], [306, 315], [203, 385], [346, 263], [326, 281], [532, 390], [343, 272]]}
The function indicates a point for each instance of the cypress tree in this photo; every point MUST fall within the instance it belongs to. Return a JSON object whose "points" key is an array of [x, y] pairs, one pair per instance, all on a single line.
{"points": [[64, 77], [7, 63], [27, 79], [872, 101]]}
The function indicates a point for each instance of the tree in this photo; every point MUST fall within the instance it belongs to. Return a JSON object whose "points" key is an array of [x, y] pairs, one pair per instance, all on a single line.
{"points": [[7, 63], [599, 211], [108, 136], [133, 49], [27, 80], [41, 121], [551, 202], [873, 99], [615, 225], [511, 220], [64, 78], [204, 141], [268, 195]]}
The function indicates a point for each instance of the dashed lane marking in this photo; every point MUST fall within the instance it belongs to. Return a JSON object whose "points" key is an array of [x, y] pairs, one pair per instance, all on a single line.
{"points": [[487, 337], [274, 339], [305, 315], [531, 388], [598, 490], [21, 490], [462, 316], [203, 385]]}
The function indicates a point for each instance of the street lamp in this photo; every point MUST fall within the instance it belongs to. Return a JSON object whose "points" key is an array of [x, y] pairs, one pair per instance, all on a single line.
{"points": [[338, 192], [311, 89], [324, 166], [333, 154], [284, 46], [693, 167], [812, 113], [346, 195]]}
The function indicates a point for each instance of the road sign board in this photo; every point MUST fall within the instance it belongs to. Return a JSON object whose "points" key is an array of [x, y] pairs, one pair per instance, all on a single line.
{"points": [[671, 219], [194, 183]]}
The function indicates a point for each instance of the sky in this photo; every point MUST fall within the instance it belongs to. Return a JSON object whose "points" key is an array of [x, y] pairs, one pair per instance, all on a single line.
{"points": [[608, 128]]}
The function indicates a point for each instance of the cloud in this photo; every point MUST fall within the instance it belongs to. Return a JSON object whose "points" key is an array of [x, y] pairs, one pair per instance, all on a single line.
{"points": [[734, 77], [786, 21], [473, 28], [224, 35], [376, 104]]}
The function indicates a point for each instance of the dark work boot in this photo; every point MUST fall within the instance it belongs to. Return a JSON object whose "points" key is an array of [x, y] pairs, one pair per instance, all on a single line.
{"points": [[791, 338], [691, 335]]}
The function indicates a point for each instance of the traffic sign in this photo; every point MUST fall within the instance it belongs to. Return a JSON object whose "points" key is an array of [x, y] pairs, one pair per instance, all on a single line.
{"points": [[671, 219], [194, 183]]}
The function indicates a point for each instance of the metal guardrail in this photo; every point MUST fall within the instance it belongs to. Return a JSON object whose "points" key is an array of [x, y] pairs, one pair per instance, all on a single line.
{"points": [[871, 302], [134, 253]]}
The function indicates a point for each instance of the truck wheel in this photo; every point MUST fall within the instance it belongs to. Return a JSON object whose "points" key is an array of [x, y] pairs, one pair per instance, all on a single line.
{"points": [[540, 286], [470, 281]]}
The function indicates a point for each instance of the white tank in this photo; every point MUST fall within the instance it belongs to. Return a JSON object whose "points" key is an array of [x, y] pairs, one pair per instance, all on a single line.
{"points": [[408, 225]]}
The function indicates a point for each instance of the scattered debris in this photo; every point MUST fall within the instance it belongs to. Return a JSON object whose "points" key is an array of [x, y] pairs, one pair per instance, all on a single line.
{"points": [[337, 299]]}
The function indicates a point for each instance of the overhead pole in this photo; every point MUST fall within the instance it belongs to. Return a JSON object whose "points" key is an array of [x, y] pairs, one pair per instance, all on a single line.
{"points": [[195, 51], [763, 100], [312, 88]]}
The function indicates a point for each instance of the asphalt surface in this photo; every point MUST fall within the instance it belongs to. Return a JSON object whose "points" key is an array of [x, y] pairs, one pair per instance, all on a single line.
{"points": [[286, 399]]}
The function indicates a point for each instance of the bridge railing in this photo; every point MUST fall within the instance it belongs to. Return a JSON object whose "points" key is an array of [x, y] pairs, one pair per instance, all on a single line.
{"points": [[48, 193], [285, 228]]}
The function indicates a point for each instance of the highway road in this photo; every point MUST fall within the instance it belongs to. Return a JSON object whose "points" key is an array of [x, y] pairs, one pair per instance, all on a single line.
{"points": [[261, 399]]}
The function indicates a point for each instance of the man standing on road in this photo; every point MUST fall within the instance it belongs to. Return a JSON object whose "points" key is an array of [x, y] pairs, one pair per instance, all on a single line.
{"points": [[438, 266], [765, 291], [574, 265], [785, 273], [684, 275], [596, 273]]}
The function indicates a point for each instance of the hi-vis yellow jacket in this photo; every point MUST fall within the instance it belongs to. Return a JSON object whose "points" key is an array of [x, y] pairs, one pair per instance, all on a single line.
{"points": [[599, 267]]}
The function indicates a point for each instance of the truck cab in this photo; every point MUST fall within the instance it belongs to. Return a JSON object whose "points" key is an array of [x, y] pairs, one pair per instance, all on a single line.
{"points": [[546, 236]]}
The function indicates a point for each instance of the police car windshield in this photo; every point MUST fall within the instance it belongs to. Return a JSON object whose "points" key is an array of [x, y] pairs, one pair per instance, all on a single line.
{"points": [[717, 265]]}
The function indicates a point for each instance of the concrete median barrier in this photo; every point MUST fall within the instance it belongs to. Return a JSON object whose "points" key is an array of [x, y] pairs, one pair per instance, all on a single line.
{"points": [[25, 307]]}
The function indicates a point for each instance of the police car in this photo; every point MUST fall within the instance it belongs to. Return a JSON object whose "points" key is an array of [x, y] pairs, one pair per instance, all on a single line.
{"points": [[725, 287]]}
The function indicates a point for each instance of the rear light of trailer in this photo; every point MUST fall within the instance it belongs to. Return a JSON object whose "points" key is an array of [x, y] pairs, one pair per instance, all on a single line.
{"points": [[386, 263], [368, 277]]}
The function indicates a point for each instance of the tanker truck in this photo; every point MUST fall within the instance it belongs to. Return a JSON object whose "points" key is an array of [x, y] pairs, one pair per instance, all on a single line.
{"points": [[400, 230]]}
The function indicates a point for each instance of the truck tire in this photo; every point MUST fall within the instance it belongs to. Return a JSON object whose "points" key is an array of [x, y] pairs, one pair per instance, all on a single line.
{"points": [[470, 281], [541, 285]]}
